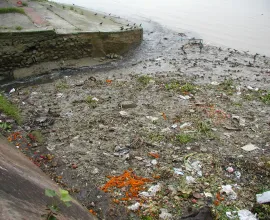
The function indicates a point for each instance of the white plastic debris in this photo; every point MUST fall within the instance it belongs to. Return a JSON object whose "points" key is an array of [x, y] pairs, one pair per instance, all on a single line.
{"points": [[242, 121], [232, 215], [246, 215], [95, 99], [154, 162], [154, 189], [237, 174], [209, 195], [58, 95], [229, 191], [151, 118], [185, 97], [254, 89], [214, 83], [174, 126], [190, 179], [249, 147], [151, 191], [186, 124], [12, 90], [134, 207], [178, 171], [165, 214], [263, 198], [123, 113]]}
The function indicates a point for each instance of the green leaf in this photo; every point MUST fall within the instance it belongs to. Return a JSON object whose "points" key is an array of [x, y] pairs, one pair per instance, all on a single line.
{"points": [[68, 204], [54, 208], [52, 217], [50, 193], [64, 196]]}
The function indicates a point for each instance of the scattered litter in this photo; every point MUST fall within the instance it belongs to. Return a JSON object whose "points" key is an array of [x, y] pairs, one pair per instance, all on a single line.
{"points": [[190, 179], [187, 124], [185, 97], [74, 166], [249, 147], [58, 95], [128, 180], [134, 207], [120, 151], [214, 83], [138, 158], [174, 126], [164, 116], [253, 89], [209, 195], [154, 162], [229, 191], [166, 130], [158, 59], [237, 174], [151, 191], [246, 215], [12, 90], [238, 89], [165, 215], [232, 215], [154, 154], [178, 171], [95, 99], [230, 169], [242, 122], [194, 201], [263, 198], [151, 118], [195, 166], [123, 113]]}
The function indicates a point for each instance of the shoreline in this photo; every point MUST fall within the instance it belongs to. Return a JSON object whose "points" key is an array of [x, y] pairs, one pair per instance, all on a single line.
{"points": [[175, 103]]}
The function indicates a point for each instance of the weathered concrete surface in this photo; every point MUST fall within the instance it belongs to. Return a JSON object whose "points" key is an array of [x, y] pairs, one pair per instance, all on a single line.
{"points": [[22, 189]]}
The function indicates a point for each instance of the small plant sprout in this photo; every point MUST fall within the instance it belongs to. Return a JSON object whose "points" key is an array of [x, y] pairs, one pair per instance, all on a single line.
{"points": [[53, 208]]}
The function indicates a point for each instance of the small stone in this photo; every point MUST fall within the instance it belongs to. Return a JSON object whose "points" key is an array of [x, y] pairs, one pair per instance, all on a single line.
{"points": [[95, 171], [203, 149], [128, 104]]}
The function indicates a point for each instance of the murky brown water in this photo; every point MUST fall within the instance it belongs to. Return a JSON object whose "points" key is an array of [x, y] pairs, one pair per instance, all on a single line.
{"points": [[239, 24]]}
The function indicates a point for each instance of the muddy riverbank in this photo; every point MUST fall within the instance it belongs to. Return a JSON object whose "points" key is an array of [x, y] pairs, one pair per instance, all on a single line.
{"points": [[171, 112]]}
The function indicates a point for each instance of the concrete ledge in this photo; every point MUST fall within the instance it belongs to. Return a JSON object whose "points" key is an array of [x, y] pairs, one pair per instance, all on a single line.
{"points": [[22, 189]]}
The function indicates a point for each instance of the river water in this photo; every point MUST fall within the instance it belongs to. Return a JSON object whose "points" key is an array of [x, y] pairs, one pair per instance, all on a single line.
{"points": [[239, 24]]}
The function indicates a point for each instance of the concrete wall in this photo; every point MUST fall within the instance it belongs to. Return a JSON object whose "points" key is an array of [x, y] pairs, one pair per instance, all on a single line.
{"points": [[23, 49], [22, 189]]}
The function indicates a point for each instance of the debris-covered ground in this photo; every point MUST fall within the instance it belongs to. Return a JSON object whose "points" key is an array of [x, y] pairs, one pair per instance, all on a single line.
{"points": [[164, 133]]}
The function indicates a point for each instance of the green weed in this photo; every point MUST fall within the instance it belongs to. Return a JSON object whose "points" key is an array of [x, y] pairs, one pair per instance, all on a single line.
{"points": [[176, 86], [144, 80], [5, 126], [18, 28], [156, 137], [53, 208], [183, 138], [266, 98], [38, 136], [25, 4], [188, 88], [11, 10], [9, 109], [220, 212], [71, 8], [61, 86]]}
